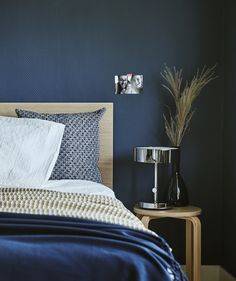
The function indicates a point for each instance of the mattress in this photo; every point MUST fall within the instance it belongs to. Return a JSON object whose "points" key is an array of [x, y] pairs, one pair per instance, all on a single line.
{"points": [[79, 186], [78, 230]]}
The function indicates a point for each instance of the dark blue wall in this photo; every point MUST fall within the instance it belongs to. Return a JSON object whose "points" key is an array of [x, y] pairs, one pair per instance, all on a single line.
{"points": [[229, 184], [70, 51]]}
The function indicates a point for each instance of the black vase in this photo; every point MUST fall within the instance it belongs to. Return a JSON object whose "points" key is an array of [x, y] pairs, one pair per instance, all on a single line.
{"points": [[177, 192]]}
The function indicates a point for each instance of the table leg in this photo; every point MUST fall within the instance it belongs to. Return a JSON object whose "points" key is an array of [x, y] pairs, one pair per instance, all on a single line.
{"points": [[189, 250], [196, 249], [193, 251], [145, 220]]}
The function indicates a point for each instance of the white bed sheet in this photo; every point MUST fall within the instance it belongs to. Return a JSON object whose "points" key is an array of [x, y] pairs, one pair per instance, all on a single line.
{"points": [[79, 186]]}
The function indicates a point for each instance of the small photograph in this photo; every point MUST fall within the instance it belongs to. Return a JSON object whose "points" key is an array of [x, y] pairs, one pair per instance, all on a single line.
{"points": [[128, 84]]}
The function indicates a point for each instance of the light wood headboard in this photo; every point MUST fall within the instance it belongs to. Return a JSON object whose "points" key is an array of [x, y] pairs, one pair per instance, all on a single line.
{"points": [[106, 127]]}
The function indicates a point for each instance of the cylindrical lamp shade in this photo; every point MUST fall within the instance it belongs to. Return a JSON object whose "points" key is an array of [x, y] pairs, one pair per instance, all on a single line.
{"points": [[158, 154]]}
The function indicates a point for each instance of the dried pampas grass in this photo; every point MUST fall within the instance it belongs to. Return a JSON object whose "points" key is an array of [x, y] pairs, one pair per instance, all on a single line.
{"points": [[177, 124]]}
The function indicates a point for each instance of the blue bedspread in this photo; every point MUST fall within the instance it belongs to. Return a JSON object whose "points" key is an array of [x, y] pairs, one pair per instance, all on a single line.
{"points": [[47, 248]]}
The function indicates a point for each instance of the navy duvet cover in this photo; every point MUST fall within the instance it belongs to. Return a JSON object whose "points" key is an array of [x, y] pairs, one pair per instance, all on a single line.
{"points": [[51, 248]]}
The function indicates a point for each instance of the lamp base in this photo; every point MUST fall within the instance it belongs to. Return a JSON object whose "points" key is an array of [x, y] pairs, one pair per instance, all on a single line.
{"points": [[153, 206]]}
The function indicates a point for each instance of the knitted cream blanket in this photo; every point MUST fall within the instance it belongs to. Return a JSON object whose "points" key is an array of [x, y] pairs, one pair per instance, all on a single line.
{"points": [[76, 205]]}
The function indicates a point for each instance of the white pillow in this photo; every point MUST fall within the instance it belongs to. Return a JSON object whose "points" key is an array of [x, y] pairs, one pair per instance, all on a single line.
{"points": [[28, 151]]}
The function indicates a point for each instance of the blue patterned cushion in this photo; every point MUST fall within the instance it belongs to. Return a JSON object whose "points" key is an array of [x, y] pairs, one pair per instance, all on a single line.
{"points": [[79, 152]]}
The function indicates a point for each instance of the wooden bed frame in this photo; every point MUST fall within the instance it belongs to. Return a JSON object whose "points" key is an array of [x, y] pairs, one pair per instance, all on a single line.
{"points": [[106, 127]]}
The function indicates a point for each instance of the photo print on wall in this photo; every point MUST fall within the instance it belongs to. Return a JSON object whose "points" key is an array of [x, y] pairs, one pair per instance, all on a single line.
{"points": [[128, 84]]}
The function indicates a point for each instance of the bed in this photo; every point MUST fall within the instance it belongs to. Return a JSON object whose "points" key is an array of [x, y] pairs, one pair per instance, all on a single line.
{"points": [[76, 229]]}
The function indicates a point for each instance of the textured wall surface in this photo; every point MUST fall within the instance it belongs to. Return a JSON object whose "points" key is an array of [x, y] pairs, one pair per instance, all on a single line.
{"points": [[229, 165], [70, 50]]}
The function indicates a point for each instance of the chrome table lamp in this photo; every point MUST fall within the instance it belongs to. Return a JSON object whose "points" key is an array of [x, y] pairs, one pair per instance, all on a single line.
{"points": [[155, 155]]}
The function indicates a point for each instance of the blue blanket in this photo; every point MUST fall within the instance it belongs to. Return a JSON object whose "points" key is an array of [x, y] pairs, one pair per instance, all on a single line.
{"points": [[48, 248]]}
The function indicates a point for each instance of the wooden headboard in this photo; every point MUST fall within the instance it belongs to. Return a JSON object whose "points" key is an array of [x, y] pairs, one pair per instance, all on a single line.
{"points": [[106, 127]]}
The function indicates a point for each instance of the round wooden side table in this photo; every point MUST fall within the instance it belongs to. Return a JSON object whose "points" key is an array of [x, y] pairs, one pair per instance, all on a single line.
{"points": [[193, 233]]}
